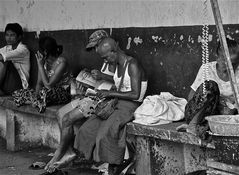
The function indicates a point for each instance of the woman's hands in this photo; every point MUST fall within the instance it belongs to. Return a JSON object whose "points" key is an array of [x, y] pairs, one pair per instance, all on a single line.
{"points": [[96, 74], [40, 58], [103, 93]]}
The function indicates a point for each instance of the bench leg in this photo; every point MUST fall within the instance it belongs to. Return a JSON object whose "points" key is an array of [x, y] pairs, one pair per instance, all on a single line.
{"points": [[11, 130], [142, 156], [164, 157], [195, 158]]}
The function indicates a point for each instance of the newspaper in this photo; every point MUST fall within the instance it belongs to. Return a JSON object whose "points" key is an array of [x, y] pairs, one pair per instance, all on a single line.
{"points": [[86, 78]]}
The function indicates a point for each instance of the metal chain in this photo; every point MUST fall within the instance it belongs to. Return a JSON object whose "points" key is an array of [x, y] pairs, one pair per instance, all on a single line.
{"points": [[205, 50]]}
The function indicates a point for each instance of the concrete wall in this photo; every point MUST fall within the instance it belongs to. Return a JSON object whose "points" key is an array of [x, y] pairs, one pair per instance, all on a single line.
{"points": [[38, 15]]}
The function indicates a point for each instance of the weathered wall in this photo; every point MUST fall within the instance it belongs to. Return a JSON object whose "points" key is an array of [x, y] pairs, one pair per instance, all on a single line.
{"points": [[165, 36], [38, 15]]}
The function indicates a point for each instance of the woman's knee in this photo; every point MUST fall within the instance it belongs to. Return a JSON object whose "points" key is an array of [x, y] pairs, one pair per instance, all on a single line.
{"points": [[65, 120], [59, 118]]}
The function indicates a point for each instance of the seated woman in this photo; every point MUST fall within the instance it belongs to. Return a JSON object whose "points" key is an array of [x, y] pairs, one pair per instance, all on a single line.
{"points": [[219, 95], [14, 52], [97, 139], [53, 84]]}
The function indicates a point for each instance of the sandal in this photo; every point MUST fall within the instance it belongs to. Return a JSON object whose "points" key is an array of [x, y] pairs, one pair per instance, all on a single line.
{"points": [[37, 165]]}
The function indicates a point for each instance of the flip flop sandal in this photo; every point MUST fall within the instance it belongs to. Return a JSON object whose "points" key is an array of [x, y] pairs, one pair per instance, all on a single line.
{"points": [[122, 166], [37, 165], [182, 128]]}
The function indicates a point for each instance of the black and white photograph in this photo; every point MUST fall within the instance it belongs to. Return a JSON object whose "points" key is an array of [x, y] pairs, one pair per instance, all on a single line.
{"points": [[119, 87]]}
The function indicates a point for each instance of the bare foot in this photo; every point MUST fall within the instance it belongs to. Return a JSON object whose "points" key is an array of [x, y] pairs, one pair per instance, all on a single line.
{"points": [[64, 161], [182, 128], [192, 129], [57, 156]]}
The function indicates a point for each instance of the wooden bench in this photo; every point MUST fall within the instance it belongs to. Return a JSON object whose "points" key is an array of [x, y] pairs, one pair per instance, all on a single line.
{"points": [[162, 150]]}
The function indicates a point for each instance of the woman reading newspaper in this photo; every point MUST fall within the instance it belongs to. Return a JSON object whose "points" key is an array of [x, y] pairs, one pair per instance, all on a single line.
{"points": [[98, 139]]}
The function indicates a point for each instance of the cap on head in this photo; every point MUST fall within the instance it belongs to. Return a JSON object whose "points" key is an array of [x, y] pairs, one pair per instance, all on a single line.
{"points": [[15, 27], [96, 37]]}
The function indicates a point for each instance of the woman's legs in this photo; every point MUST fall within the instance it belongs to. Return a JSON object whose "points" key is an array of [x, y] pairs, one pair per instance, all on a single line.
{"points": [[67, 135], [67, 158]]}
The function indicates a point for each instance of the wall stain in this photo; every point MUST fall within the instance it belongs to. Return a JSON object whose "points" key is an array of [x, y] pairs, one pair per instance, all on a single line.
{"points": [[228, 36], [138, 40], [21, 10], [155, 38], [129, 42], [181, 37], [29, 4], [210, 37]]}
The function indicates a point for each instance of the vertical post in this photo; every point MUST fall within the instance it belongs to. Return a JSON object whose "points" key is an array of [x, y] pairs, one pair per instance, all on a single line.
{"points": [[222, 37], [143, 166], [10, 134]]}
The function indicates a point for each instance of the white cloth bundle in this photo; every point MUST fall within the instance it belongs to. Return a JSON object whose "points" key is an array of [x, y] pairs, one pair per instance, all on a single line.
{"points": [[160, 109]]}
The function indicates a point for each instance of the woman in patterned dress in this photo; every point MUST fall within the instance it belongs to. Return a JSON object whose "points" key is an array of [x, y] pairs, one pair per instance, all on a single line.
{"points": [[53, 84]]}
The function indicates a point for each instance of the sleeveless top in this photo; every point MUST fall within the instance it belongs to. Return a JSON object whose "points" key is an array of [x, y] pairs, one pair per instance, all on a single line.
{"points": [[105, 69], [126, 85], [66, 77]]}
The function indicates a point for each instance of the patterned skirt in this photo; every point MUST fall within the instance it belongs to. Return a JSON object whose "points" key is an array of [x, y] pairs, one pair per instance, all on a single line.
{"points": [[46, 97]]}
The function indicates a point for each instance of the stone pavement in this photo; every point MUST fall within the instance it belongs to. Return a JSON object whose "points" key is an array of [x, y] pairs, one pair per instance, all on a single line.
{"points": [[17, 163]]}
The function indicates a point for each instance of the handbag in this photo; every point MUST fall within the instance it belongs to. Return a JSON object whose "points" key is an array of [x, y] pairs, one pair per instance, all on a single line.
{"points": [[86, 105], [106, 107]]}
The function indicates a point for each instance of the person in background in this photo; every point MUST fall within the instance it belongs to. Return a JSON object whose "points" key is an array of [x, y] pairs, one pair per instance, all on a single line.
{"points": [[14, 52], [54, 78], [218, 97]]}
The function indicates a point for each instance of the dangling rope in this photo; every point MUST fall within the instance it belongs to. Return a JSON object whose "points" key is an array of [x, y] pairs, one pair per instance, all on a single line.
{"points": [[205, 51]]}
